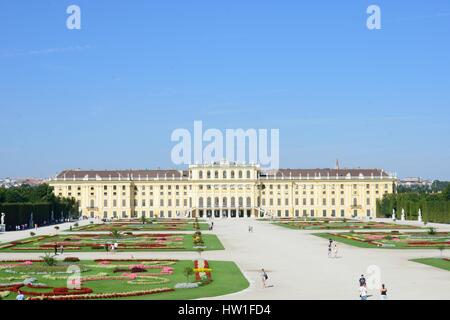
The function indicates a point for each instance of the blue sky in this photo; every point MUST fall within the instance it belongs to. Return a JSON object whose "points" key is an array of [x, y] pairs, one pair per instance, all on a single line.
{"points": [[108, 96]]}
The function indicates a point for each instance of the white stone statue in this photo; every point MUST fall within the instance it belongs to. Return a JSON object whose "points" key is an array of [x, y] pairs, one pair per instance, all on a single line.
{"points": [[393, 215], [403, 215], [3, 218], [419, 218]]}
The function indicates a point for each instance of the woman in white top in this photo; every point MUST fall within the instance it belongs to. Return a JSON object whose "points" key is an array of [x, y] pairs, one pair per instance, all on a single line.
{"points": [[363, 292]]}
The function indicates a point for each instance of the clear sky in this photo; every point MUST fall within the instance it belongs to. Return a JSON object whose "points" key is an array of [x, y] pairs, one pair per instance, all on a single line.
{"points": [[108, 96]]}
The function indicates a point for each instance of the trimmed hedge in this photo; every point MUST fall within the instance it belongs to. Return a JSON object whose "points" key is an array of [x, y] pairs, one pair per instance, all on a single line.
{"points": [[20, 213], [432, 210]]}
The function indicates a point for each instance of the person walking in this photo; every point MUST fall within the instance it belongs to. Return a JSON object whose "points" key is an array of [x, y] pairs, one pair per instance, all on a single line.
{"points": [[363, 292], [330, 244], [383, 292], [56, 248], [61, 249], [264, 278], [335, 249]]}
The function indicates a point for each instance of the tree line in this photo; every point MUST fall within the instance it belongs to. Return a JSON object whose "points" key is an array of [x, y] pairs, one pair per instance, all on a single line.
{"points": [[28, 205], [435, 206]]}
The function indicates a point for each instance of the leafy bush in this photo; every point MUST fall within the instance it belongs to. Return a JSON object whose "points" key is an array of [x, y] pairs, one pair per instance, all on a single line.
{"points": [[49, 260], [138, 270], [431, 231], [71, 259]]}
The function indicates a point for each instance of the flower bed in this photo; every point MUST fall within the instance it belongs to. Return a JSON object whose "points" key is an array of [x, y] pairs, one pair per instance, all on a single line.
{"points": [[397, 240], [105, 295]]}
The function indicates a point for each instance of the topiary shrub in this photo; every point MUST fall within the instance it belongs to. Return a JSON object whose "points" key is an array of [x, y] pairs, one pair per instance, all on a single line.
{"points": [[71, 259]]}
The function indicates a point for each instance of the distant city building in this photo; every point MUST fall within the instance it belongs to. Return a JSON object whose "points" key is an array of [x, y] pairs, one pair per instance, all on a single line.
{"points": [[415, 182], [12, 183]]}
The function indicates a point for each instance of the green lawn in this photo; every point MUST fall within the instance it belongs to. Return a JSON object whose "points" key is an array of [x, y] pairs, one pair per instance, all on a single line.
{"points": [[345, 241], [211, 241], [122, 227], [227, 278], [388, 244], [339, 225], [435, 262]]}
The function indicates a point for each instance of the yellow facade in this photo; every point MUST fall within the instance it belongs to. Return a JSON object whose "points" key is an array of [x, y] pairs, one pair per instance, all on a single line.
{"points": [[225, 190]]}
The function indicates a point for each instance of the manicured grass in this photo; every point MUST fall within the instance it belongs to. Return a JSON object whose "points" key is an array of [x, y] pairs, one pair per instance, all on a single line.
{"points": [[339, 225], [440, 263], [227, 278], [388, 244], [157, 226], [345, 241], [211, 241]]}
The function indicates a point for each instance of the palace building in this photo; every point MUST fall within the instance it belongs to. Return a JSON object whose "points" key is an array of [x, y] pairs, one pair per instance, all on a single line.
{"points": [[225, 190]]}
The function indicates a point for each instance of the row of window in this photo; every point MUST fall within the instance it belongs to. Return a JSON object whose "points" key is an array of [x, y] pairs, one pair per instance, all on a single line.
{"points": [[162, 214], [209, 174], [209, 203]]}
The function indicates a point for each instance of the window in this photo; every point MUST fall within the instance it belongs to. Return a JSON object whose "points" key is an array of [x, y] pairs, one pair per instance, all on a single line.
{"points": [[355, 202], [224, 174], [200, 202], [342, 213], [368, 201], [232, 174], [333, 213], [312, 201], [324, 213], [224, 202], [249, 202], [240, 174], [216, 174], [200, 174], [208, 175], [105, 203], [342, 201], [248, 174]]}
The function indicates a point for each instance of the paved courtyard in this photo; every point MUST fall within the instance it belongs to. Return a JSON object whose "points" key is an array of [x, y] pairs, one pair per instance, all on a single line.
{"points": [[298, 265]]}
